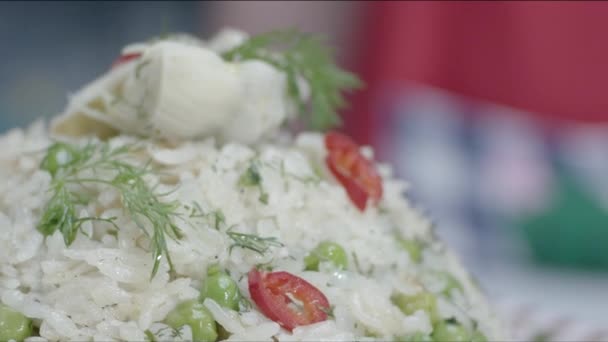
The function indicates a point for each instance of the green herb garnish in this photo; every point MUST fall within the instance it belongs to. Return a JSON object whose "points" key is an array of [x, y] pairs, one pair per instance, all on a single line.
{"points": [[252, 177], [267, 267], [252, 242], [307, 56], [219, 218], [166, 334], [197, 212], [358, 266], [245, 304], [84, 167], [356, 260], [149, 336], [451, 320], [263, 198]]}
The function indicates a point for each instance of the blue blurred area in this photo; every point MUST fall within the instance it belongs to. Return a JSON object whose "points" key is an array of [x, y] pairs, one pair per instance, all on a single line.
{"points": [[52, 48], [493, 176], [524, 206]]}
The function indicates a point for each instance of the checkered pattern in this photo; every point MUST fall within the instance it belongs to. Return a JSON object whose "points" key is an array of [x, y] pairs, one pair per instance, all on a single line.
{"points": [[474, 167], [527, 322]]}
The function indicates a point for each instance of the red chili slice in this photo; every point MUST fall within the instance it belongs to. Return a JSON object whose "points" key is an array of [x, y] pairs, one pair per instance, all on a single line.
{"points": [[126, 58], [337, 141], [357, 174], [287, 299]]}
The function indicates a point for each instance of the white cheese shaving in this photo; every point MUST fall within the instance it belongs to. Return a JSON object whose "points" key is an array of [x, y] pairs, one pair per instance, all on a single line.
{"points": [[180, 88]]}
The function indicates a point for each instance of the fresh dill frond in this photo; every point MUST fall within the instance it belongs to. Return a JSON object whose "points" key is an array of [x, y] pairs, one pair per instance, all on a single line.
{"points": [[252, 178], [216, 217], [84, 166], [285, 175], [263, 197], [356, 261], [306, 56], [149, 336], [219, 218], [245, 304], [267, 266], [178, 333], [358, 266], [252, 242], [168, 334]]}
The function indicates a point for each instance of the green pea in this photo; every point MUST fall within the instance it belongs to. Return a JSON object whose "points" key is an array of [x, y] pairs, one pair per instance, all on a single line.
{"points": [[413, 248], [408, 304], [222, 289], [194, 314], [58, 155], [478, 336], [450, 332], [326, 252], [417, 337], [14, 325], [214, 269]]}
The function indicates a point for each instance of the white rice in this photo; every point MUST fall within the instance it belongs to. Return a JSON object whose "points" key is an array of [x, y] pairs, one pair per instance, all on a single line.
{"points": [[100, 289]]}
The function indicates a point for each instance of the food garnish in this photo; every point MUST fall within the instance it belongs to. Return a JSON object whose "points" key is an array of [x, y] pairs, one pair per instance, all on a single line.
{"points": [[252, 177], [126, 58], [287, 299], [306, 56], [73, 168], [356, 173], [252, 242]]}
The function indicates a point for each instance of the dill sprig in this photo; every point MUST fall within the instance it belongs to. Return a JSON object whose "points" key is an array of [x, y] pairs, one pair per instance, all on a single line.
{"points": [[216, 217], [149, 336], [252, 177], [303, 55], [252, 242], [73, 168], [166, 334]]}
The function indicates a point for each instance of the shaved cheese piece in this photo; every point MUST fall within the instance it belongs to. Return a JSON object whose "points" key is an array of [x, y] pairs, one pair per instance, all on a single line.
{"points": [[180, 88], [263, 104]]}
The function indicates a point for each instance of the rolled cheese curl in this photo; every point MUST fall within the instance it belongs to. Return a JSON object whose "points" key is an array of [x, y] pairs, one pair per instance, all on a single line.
{"points": [[179, 90], [86, 112], [189, 90], [174, 90]]}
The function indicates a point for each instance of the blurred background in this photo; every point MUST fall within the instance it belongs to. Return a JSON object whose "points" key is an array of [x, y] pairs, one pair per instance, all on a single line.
{"points": [[496, 112]]}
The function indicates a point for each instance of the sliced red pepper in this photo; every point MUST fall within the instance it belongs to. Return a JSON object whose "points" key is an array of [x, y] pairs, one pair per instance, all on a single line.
{"points": [[287, 299], [126, 58], [357, 174], [335, 141]]}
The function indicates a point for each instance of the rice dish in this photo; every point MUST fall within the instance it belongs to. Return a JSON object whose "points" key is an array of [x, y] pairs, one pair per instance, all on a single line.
{"points": [[239, 197]]}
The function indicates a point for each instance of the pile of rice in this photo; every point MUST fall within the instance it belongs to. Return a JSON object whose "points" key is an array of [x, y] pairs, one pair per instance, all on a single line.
{"points": [[100, 288]]}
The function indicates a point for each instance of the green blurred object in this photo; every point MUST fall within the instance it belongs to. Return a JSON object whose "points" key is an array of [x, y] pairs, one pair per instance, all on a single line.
{"points": [[572, 231]]}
